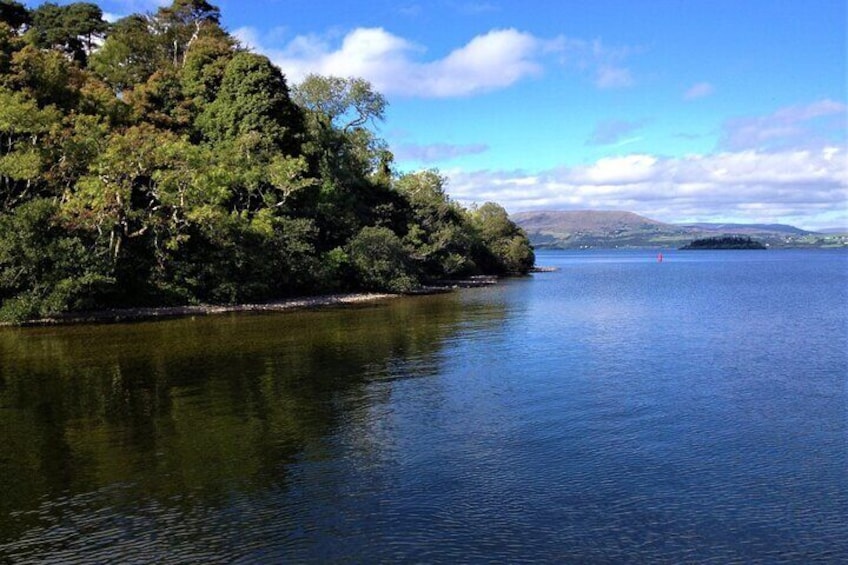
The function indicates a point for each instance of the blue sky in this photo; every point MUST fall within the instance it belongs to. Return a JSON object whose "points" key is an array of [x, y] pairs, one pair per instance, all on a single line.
{"points": [[680, 110]]}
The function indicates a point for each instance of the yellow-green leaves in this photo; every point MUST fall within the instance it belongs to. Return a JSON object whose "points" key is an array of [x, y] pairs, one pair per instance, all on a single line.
{"points": [[23, 165], [21, 119]]}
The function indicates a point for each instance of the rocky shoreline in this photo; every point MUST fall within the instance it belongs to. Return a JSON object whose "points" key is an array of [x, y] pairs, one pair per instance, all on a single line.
{"points": [[117, 315]]}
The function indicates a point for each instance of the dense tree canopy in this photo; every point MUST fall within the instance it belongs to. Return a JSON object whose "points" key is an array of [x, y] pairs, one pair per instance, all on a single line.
{"points": [[72, 28], [14, 14], [155, 161]]}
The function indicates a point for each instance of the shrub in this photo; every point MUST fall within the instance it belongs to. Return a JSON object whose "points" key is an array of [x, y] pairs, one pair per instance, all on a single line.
{"points": [[380, 261]]}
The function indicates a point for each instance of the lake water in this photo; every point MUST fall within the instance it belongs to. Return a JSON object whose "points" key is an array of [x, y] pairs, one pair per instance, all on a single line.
{"points": [[618, 410]]}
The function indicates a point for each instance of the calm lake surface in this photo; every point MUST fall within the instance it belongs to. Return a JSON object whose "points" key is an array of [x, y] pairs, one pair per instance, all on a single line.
{"points": [[618, 410]]}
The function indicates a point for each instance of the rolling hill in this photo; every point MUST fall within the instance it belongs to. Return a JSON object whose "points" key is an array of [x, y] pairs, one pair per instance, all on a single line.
{"points": [[584, 229]]}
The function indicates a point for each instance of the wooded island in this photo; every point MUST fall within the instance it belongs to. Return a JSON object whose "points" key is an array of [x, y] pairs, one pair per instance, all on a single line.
{"points": [[154, 161], [724, 242]]}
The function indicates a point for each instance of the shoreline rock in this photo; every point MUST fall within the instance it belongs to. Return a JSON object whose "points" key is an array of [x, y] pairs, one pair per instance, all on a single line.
{"points": [[142, 314], [119, 315], [470, 282]]}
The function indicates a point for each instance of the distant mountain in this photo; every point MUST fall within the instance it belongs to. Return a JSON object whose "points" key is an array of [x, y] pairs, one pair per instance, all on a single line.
{"points": [[583, 229], [593, 228], [584, 220], [748, 228], [833, 230]]}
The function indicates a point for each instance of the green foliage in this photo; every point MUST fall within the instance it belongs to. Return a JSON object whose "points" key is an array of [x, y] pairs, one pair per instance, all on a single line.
{"points": [[189, 12], [24, 165], [380, 260], [22, 119], [96, 98], [71, 28], [23, 126], [161, 101], [43, 268], [503, 246], [344, 103], [45, 75], [166, 165], [203, 67], [332, 271], [130, 54], [253, 98], [439, 234], [725, 242], [180, 25], [138, 46]]}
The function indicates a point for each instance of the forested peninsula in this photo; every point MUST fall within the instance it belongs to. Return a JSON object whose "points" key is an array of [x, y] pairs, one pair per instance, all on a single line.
{"points": [[154, 161]]}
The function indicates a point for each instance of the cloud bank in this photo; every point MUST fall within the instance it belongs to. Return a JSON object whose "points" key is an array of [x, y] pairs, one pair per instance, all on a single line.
{"points": [[804, 187], [488, 62], [809, 125], [790, 166], [396, 66]]}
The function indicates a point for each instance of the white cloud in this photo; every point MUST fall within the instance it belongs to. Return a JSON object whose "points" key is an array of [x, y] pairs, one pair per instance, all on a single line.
{"points": [[491, 61], [495, 60], [397, 66], [437, 152], [605, 64], [812, 125], [810, 111], [699, 90], [808, 188], [248, 37]]}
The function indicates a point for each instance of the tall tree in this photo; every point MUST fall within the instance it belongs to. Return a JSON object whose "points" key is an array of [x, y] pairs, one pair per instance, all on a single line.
{"points": [[504, 245], [204, 66], [344, 103], [343, 150], [182, 23], [71, 28], [85, 20], [439, 233], [253, 97], [337, 110]]}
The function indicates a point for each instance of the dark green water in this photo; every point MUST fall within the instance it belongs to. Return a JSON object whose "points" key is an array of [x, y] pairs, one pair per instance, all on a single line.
{"points": [[617, 410]]}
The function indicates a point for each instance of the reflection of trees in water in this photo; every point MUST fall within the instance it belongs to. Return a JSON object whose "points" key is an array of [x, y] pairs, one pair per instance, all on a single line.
{"points": [[203, 406]]}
